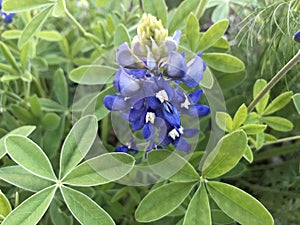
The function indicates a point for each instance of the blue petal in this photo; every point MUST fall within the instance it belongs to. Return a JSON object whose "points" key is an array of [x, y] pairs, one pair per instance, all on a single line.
{"points": [[116, 80], [195, 96], [297, 36], [190, 132], [138, 124], [182, 145], [177, 36], [136, 114], [194, 72], [137, 73], [152, 102], [176, 65], [128, 85], [127, 59], [148, 131], [198, 110], [171, 115], [122, 148], [115, 102]]}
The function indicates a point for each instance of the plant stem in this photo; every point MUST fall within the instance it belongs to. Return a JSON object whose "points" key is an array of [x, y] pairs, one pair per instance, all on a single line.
{"points": [[200, 8], [281, 73], [282, 140]]}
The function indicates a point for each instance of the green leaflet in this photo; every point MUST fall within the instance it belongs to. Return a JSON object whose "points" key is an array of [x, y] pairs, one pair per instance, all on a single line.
{"points": [[278, 123], [157, 8], [225, 155], [278, 103], [168, 197], [240, 116], [192, 31], [261, 105], [5, 207], [296, 99], [224, 121], [61, 88], [121, 35], [19, 6], [239, 205], [32, 209], [85, 210]]}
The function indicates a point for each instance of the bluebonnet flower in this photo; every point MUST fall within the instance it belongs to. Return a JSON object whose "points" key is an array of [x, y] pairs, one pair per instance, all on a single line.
{"points": [[7, 17], [297, 36], [148, 85]]}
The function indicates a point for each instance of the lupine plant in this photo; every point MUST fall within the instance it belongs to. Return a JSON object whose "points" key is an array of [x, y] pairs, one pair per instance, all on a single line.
{"points": [[116, 112]]}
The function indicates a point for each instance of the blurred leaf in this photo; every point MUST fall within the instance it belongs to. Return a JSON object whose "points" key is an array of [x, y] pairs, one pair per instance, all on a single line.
{"points": [[240, 116], [220, 218], [278, 103], [181, 14], [121, 35], [24, 130], [220, 12], [29, 155], [261, 105], [231, 80], [19, 6], [11, 34], [225, 155], [192, 31], [223, 62], [60, 88], [100, 170], [59, 9], [85, 210], [9, 56], [157, 8], [198, 211], [5, 207], [278, 123], [207, 80], [59, 217], [238, 204], [32, 209], [296, 99], [171, 166], [253, 128], [212, 35], [49, 35], [50, 121], [34, 26], [21, 178], [50, 105], [102, 2], [224, 121], [93, 74], [77, 144], [35, 106], [168, 197], [248, 155]]}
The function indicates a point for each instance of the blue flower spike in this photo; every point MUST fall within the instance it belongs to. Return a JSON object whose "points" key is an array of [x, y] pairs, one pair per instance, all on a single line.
{"points": [[148, 88], [297, 36]]}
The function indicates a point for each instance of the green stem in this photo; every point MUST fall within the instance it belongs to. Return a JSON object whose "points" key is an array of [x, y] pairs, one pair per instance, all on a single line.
{"points": [[281, 73], [200, 8], [282, 140]]}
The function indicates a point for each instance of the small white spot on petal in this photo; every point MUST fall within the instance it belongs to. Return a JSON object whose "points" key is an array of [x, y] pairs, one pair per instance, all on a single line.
{"points": [[186, 103], [162, 96], [174, 134], [181, 130], [150, 117]]}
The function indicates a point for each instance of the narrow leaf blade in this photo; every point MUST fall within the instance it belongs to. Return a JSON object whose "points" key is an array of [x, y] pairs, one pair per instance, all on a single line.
{"points": [[19, 6]]}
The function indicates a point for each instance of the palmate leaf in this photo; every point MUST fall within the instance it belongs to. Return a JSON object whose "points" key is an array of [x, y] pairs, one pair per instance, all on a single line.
{"points": [[238, 204], [168, 197], [85, 210], [32, 209], [29, 155]]}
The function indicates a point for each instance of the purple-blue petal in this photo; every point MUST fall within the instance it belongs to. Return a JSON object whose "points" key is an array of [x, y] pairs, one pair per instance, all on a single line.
{"points": [[138, 124], [115, 102], [177, 36], [297, 36], [122, 148], [148, 131], [171, 115], [128, 84], [182, 145], [190, 132], [198, 110], [195, 70], [195, 96], [137, 73], [127, 59], [176, 66]]}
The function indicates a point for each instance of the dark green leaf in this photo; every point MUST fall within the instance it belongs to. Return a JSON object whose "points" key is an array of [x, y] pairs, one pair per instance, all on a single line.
{"points": [[50, 121]]}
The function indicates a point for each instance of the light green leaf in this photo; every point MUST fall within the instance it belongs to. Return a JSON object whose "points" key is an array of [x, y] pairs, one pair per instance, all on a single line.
{"points": [[168, 197], [77, 143], [19, 6], [100, 170], [260, 139], [225, 155], [223, 62], [29, 155], [50, 121], [32, 209], [253, 128], [157, 8], [224, 121], [121, 35], [170, 165], [5, 207], [212, 35], [221, 12], [222, 43], [59, 9], [93, 74], [34, 26], [296, 99], [181, 14], [278, 123], [24, 130], [198, 211], [11, 34], [84, 209], [240, 116], [9, 56], [21, 178], [248, 155], [207, 79], [49, 35], [61, 88], [258, 86], [192, 31], [102, 2], [239, 205], [278, 103]]}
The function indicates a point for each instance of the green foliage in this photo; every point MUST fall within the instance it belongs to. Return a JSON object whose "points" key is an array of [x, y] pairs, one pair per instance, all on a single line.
{"points": [[5, 207]]}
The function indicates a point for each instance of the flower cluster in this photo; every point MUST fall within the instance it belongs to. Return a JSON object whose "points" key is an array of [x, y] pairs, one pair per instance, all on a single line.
{"points": [[7, 17], [148, 85]]}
